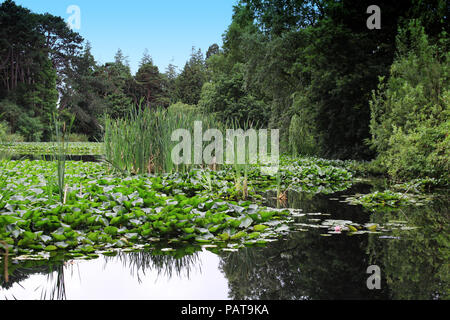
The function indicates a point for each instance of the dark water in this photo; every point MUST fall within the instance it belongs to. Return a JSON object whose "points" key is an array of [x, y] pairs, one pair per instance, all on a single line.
{"points": [[305, 264]]}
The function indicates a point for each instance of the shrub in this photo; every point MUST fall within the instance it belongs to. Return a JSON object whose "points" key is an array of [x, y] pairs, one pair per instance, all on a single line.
{"points": [[410, 112], [6, 136], [77, 137], [182, 107], [424, 152]]}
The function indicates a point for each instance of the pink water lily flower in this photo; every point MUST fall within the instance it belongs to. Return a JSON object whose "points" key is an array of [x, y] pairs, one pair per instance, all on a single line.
{"points": [[337, 229]]}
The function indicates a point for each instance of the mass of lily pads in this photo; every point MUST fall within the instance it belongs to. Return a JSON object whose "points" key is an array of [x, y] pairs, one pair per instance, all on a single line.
{"points": [[105, 209]]}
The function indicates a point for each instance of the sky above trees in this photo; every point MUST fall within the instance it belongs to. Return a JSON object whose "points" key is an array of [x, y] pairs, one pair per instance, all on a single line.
{"points": [[165, 28]]}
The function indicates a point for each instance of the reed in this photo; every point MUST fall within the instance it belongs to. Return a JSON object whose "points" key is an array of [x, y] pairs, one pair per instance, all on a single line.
{"points": [[141, 142], [61, 131], [240, 170]]}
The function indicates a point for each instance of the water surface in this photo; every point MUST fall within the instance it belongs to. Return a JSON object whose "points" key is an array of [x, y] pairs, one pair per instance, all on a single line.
{"points": [[307, 263]]}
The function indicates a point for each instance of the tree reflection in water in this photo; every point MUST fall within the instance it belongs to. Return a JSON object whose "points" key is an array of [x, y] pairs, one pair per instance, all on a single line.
{"points": [[303, 265], [307, 265], [417, 265]]}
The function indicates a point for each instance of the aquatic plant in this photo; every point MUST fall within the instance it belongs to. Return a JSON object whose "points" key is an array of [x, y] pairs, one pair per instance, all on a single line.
{"points": [[387, 200], [109, 211], [142, 142]]}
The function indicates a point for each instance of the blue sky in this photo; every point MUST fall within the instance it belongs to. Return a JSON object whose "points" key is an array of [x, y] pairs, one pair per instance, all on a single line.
{"points": [[167, 28]]}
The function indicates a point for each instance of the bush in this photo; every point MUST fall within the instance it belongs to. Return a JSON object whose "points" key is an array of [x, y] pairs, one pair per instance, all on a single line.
{"points": [[30, 127], [410, 112], [77, 137], [424, 152], [6, 136], [181, 107]]}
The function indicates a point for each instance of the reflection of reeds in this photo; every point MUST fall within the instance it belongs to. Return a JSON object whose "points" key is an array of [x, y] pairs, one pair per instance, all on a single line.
{"points": [[58, 290], [166, 265]]}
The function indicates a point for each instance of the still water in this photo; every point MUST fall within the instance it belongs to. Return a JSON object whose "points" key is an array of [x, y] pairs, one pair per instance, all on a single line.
{"points": [[412, 252]]}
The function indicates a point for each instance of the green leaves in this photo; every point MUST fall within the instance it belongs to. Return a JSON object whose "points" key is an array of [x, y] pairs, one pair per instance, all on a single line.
{"points": [[104, 210], [111, 230], [260, 228]]}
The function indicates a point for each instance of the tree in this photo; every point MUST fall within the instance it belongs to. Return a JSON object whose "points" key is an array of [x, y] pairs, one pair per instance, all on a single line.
{"points": [[212, 50], [227, 98], [150, 84], [316, 62], [171, 75], [36, 54], [410, 112], [188, 84]]}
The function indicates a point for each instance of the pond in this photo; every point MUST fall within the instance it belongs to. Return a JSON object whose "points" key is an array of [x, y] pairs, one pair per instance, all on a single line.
{"points": [[313, 261]]}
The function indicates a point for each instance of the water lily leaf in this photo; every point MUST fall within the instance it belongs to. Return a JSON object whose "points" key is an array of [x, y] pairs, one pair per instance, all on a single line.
{"points": [[282, 228], [252, 208], [61, 245], [259, 228], [58, 237], [111, 230], [36, 190], [239, 235], [224, 236], [45, 238], [246, 221], [188, 230]]}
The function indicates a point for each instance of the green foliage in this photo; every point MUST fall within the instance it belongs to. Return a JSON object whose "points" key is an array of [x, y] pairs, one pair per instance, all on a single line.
{"points": [[36, 51], [423, 152], [49, 148], [6, 136], [31, 128], [188, 84], [142, 142], [302, 139], [150, 84], [181, 107], [227, 98], [117, 212], [411, 110], [77, 137]]}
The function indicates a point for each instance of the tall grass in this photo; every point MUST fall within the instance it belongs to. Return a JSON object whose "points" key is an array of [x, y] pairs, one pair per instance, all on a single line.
{"points": [[61, 131], [142, 141]]}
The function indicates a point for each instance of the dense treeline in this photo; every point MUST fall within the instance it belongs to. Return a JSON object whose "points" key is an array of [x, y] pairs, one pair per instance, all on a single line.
{"points": [[311, 68], [45, 67], [314, 65]]}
